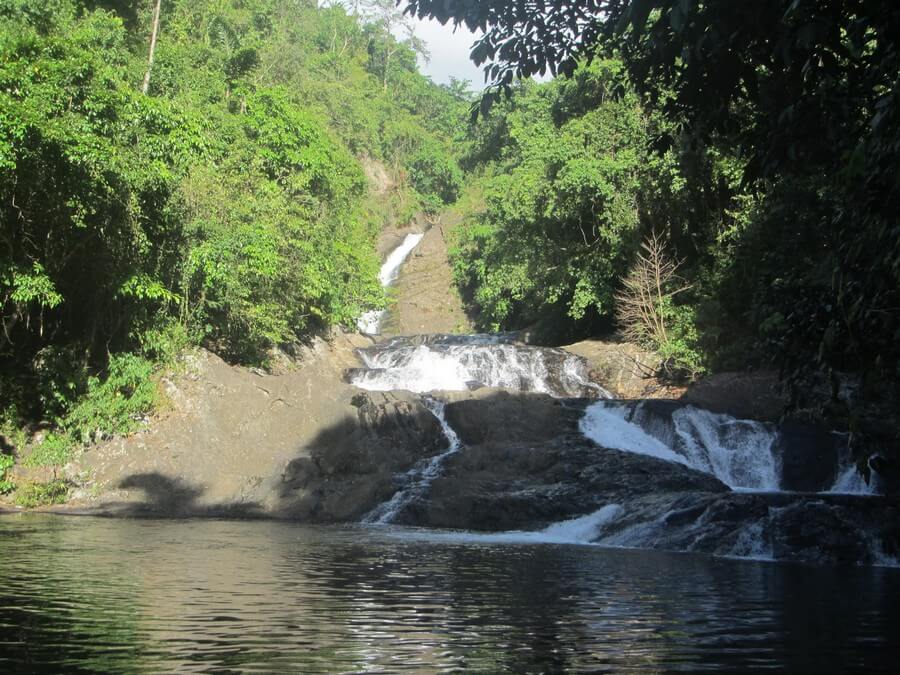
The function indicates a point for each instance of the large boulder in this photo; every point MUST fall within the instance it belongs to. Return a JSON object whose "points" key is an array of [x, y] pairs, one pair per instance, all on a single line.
{"points": [[349, 468], [525, 464], [753, 396]]}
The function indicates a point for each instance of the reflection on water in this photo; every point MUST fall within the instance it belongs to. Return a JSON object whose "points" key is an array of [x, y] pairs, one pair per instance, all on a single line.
{"points": [[190, 596]]}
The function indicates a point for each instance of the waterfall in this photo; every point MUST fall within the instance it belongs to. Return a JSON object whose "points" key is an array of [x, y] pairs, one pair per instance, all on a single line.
{"points": [[370, 322], [741, 453], [416, 482], [458, 363], [585, 529], [850, 482]]}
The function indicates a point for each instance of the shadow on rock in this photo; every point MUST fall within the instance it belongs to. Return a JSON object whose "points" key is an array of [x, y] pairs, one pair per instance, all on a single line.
{"points": [[352, 466], [168, 497]]}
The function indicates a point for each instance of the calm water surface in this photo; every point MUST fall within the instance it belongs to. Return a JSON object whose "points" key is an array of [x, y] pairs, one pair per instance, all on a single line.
{"points": [[97, 595]]}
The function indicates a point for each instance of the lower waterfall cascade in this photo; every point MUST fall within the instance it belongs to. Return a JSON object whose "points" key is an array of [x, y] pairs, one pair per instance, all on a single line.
{"points": [[415, 482], [741, 453], [745, 503]]}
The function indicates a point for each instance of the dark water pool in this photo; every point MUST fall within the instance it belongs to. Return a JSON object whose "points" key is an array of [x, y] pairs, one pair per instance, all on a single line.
{"points": [[97, 595]]}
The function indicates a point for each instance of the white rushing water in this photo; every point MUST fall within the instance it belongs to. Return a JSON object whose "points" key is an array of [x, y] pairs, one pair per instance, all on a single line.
{"points": [[850, 482], [585, 529], [454, 363], [740, 453], [370, 322], [737, 452], [417, 481]]}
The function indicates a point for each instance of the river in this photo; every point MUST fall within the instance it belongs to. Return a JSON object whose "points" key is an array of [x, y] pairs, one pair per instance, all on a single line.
{"points": [[103, 595]]}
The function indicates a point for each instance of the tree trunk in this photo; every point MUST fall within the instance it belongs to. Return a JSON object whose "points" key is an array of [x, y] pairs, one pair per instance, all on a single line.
{"points": [[153, 35]]}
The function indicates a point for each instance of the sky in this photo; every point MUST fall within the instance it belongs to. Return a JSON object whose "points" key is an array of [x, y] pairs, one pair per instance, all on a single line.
{"points": [[448, 49], [449, 53]]}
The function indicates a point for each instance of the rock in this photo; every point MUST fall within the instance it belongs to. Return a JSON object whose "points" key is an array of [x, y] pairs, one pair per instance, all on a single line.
{"points": [[809, 457], [492, 415], [752, 396], [349, 468], [223, 425], [525, 464], [625, 369]]}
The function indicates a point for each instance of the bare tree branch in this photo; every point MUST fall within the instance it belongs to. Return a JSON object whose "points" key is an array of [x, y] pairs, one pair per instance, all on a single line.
{"points": [[652, 280]]}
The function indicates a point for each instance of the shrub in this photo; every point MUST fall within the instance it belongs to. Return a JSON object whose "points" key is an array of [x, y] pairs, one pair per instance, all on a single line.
{"points": [[648, 314], [31, 495], [6, 463]]}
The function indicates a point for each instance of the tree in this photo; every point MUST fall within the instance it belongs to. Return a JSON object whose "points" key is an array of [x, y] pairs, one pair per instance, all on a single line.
{"points": [[806, 94], [647, 313], [153, 36], [388, 19]]}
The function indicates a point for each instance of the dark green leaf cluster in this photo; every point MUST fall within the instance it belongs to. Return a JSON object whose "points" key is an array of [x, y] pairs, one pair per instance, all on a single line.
{"points": [[564, 165]]}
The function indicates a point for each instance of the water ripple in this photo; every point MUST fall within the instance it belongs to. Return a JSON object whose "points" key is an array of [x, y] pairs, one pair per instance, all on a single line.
{"points": [[94, 595]]}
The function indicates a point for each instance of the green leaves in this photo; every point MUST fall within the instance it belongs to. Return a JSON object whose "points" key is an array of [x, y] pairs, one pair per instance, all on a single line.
{"points": [[33, 286], [144, 287], [228, 207], [560, 204]]}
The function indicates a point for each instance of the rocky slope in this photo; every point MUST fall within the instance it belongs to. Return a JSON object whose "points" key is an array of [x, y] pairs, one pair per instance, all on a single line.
{"points": [[234, 441], [426, 299]]}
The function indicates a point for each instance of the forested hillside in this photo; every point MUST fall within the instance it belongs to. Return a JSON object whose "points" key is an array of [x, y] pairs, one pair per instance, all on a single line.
{"points": [[569, 185], [218, 197], [745, 150]]}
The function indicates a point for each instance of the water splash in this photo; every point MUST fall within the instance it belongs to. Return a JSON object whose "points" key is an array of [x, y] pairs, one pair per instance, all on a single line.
{"points": [[457, 363], [740, 453], [417, 481], [753, 543], [850, 482], [370, 322], [609, 427], [581, 530], [737, 452]]}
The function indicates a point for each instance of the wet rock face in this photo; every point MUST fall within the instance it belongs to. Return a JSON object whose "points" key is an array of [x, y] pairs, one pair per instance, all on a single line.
{"points": [[752, 396], [348, 469], [525, 464], [500, 416], [809, 457]]}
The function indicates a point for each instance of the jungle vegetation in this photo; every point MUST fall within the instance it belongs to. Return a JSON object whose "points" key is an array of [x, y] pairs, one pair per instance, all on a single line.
{"points": [[190, 172], [760, 140]]}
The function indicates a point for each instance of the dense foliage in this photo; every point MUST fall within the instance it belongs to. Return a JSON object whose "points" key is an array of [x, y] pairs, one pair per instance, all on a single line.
{"points": [[799, 259], [228, 206], [570, 187]]}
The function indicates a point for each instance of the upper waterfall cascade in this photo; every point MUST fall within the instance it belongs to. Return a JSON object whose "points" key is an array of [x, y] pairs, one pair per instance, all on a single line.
{"points": [[458, 363], [370, 322]]}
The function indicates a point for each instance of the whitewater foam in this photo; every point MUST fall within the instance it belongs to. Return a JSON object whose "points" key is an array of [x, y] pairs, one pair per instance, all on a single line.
{"points": [[583, 530], [740, 453], [454, 363], [370, 322], [417, 481]]}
